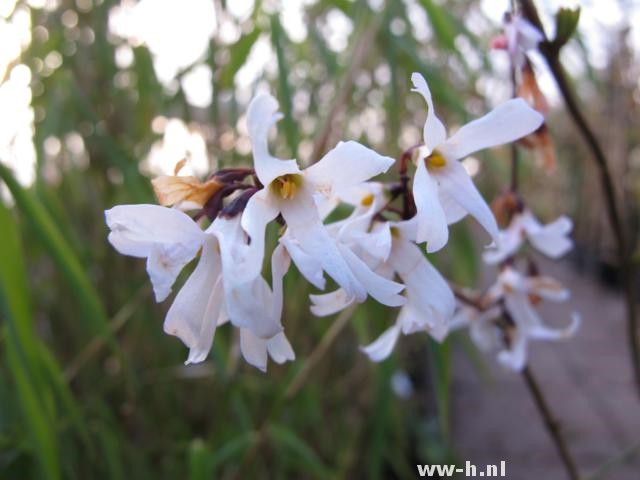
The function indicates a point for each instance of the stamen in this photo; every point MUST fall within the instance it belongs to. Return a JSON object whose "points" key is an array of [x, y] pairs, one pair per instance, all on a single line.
{"points": [[286, 185], [367, 200], [435, 160]]}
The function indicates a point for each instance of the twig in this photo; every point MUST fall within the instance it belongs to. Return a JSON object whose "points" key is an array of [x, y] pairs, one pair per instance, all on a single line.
{"points": [[550, 423], [95, 345], [326, 342], [551, 52], [623, 457]]}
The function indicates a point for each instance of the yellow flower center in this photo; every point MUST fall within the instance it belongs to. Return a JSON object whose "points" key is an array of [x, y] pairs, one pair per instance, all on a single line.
{"points": [[286, 185], [367, 200], [435, 160], [395, 232]]}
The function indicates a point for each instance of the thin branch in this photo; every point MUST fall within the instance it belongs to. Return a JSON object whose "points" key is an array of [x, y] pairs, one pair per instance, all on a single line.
{"points": [[551, 52], [552, 426]]}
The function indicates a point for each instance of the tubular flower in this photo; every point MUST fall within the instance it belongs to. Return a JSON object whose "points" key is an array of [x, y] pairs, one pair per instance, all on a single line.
{"points": [[551, 239], [443, 191], [520, 295], [290, 192]]}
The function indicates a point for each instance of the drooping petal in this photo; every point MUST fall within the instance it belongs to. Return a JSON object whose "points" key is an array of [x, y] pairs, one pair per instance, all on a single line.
{"points": [[452, 211], [167, 237], [506, 123], [261, 115], [349, 163], [509, 241], [194, 313], [306, 227], [280, 349], [261, 209], [383, 290], [432, 223], [434, 132], [248, 299], [456, 183], [307, 265], [551, 239], [515, 358], [545, 287], [254, 349], [329, 303], [427, 291], [136, 229], [382, 347], [543, 332], [528, 35]]}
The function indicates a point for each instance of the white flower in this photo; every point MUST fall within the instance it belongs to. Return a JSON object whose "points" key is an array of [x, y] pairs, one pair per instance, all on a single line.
{"points": [[551, 239], [442, 189], [290, 191], [216, 291], [167, 238], [520, 294], [222, 287], [429, 300], [520, 36]]}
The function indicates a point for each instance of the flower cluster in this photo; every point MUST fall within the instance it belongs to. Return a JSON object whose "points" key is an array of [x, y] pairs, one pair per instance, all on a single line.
{"points": [[376, 251]]}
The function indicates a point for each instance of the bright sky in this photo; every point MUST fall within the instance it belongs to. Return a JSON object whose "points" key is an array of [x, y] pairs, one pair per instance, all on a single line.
{"points": [[192, 24]]}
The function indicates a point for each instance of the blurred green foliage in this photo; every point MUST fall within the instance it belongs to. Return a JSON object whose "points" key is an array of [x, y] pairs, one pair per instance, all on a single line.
{"points": [[90, 386]]}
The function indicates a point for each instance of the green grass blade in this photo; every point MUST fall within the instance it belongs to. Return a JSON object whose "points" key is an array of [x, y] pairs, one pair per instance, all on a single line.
{"points": [[68, 264], [22, 349]]}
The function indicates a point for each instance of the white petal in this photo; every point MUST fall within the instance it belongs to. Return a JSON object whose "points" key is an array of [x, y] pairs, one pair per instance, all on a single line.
{"points": [[308, 266], [546, 287], [456, 183], [330, 303], [509, 241], [485, 335], [349, 163], [254, 349], [194, 313], [135, 229], [508, 122], [261, 209], [552, 239], [280, 262], [452, 211], [427, 290], [261, 115], [280, 349], [432, 223], [248, 299], [434, 132], [383, 346], [528, 35], [167, 237], [383, 290], [516, 357], [543, 332], [306, 227]]}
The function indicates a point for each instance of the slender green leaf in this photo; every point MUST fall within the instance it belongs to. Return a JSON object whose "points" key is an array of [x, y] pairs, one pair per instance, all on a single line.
{"points": [[52, 240], [22, 348]]}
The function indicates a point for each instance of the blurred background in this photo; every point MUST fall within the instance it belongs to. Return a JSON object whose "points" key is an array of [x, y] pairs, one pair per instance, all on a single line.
{"points": [[98, 96]]}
